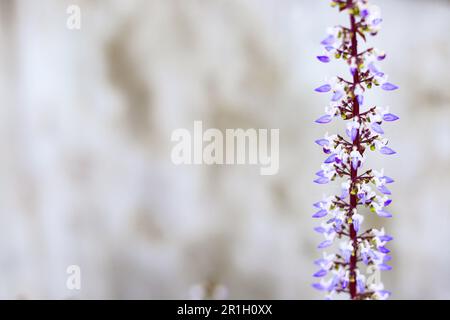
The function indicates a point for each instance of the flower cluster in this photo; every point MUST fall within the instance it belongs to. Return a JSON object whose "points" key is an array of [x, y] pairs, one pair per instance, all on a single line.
{"points": [[347, 270]]}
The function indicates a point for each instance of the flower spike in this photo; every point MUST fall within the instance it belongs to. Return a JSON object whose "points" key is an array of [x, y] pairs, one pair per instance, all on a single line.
{"points": [[363, 191]]}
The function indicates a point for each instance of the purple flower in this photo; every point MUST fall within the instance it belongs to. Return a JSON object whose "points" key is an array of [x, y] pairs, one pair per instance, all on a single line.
{"points": [[373, 69], [390, 117], [324, 88], [387, 151], [324, 119], [365, 258], [318, 286], [322, 180], [384, 267], [352, 133], [356, 225], [355, 163], [320, 214], [320, 229], [381, 57], [383, 250], [330, 159], [389, 86], [319, 204], [324, 59], [328, 41], [346, 254], [325, 244], [377, 128], [360, 99], [384, 189], [320, 173], [320, 273], [384, 214], [360, 285], [387, 179], [376, 22], [337, 96], [322, 142], [386, 238]]}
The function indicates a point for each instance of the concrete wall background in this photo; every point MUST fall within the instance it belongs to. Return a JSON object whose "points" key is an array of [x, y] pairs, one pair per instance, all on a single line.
{"points": [[85, 125]]}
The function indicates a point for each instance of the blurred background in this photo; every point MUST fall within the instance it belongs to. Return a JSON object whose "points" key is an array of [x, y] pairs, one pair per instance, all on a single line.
{"points": [[86, 118]]}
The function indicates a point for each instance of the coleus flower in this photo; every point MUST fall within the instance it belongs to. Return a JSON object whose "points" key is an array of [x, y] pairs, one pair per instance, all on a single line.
{"points": [[363, 191]]}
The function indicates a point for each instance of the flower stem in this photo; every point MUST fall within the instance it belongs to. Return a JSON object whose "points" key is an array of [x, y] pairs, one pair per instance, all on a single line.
{"points": [[354, 172]]}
